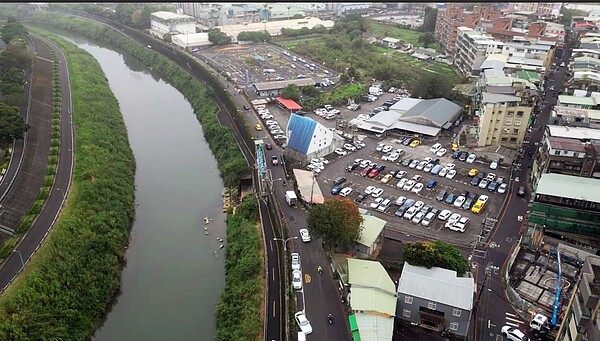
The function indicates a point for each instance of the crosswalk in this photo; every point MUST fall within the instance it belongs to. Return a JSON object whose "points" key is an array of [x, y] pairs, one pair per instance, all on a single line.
{"points": [[513, 320]]}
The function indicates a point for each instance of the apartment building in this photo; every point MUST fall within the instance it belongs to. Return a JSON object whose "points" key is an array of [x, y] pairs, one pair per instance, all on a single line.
{"points": [[567, 206], [564, 151], [541, 8], [472, 48], [167, 22], [538, 50], [582, 314], [452, 17]]}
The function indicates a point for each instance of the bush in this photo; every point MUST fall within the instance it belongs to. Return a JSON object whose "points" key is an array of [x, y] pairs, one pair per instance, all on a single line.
{"points": [[7, 248]]}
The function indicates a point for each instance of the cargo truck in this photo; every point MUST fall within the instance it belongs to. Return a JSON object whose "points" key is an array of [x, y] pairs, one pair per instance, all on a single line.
{"points": [[291, 198]]}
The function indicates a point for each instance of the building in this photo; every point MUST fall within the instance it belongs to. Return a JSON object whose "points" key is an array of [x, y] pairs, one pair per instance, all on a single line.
{"points": [[186, 41], [370, 238], [435, 299], [541, 8], [582, 315], [172, 23], [288, 104], [391, 43], [567, 206], [308, 139], [472, 48], [270, 89], [568, 150], [372, 299], [579, 102], [447, 22], [274, 27], [503, 108], [411, 115]]}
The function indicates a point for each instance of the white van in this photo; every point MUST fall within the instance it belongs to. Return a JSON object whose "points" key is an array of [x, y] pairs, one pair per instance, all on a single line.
{"points": [[330, 116], [384, 205], [301, 336]]}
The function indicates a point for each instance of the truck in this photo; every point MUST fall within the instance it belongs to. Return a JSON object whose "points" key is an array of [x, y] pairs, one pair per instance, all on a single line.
{"points": [[375, 90], [291, 198]]}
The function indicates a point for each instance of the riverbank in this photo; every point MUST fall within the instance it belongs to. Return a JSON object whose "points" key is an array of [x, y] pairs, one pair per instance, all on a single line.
{"points": [[67, 286]]}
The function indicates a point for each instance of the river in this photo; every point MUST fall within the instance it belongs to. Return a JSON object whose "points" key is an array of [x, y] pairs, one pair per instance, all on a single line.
{"points": [[173, 276]]}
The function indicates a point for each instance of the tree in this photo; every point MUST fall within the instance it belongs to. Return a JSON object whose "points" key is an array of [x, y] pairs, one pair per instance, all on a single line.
{"points": [[436, 253], [310, 91], [337, 222], [217, 37], [432, 85], [426, 39], [568, 14], [12, 125], [429, 20], [12, 29], [291, 91], [15, 56]]}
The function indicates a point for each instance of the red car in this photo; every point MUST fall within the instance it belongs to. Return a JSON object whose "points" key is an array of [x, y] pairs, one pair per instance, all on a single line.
{"points": [[366, 171], [373, 173]]}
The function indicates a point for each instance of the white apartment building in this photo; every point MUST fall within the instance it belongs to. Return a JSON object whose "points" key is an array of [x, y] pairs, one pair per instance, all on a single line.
{"points": [[472, 48], [168, 22], [542, 52]]}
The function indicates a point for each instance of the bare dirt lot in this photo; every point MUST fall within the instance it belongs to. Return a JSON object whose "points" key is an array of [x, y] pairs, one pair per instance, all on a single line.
{"points": [[459, 183]]}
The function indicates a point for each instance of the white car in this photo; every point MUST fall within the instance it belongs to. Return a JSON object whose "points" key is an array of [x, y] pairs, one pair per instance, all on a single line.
{"points": [[380, 147], [444, 215], [418, 218], [454, 217], [304, 235], [303, 322], [376, 202], [410, 213], [428, 219], [441, 152], [377, 192], [365, 163], [483, 198], [297, 279], [349, 147], [418, 205], [361, 143], [341, 152], [346, 191], [401, 183], [400, 200], [450, 166], [370, 189], [295, 261], [490, 177], [413, 164], [461, 224], [471, 158], [428, 168], [387, 149], [484, 183], [513, 334], [421, 165], [417, 188], [459, 201], [502, 189], [443, 172], [435, 148], [400, 174], [393, 157], [416, 177], [409, 185], [451, 174], [494, 165]]}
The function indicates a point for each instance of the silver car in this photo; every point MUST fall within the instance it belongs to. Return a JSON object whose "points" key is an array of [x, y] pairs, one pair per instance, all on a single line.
{"points": [[295, 261]]}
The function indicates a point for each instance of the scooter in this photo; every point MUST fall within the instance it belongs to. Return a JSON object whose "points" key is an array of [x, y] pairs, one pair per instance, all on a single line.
{"points": [[330, 319], [320, 269]]}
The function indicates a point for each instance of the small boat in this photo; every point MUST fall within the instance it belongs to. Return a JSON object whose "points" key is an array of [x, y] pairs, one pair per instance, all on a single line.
{"points": [[206, 220], [220, 239], [221, 246], [206, 228], [206, 232]]}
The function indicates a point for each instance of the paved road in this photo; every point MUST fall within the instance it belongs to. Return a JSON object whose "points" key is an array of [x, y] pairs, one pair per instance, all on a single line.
{"points": [[494, 311], [39, 230], [18, 145]]}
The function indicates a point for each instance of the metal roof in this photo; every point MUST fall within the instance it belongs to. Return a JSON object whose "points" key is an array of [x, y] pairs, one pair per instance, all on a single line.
{"points": [[370, 299], [437, 285], [369, 274], [438, 111], [580, 133], [276, 85], [405, 104], [371, 229], [570, 187], [374, 327], [300, 133], [498, 98], [576, 100]]}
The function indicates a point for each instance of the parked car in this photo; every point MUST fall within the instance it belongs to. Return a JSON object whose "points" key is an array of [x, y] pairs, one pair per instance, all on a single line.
{"points": [[471, 158], [409, 185], [384, 205], [492, 186], [303, 322], [456, 155], [473, 172], [450, 199], [295, 261], [428, 168], [437, 169], [431, 183], [400, 200], [373, 173], [414, 164], [340, 151], [441, 152], [407, 162], [484, 183], [468, 204], [521, 191], [494, 165], [360, 198], [418, 217], [417, 188], [459, 201], [401, 183], [340, 180], [345, 192], [514, 334], [451, 174], [297, 279], [415, 143], [377, 192], [376, 203], [441, 195], [370, 189], [444, 215], [349, 147], [421, 165], [435, 148], [475, 181], [274, 160], [410, 213], [336, 190], [428, 219], [461, 224], [400, 174], [419, 204], [463, 156], [502, 189], [443, 172]]}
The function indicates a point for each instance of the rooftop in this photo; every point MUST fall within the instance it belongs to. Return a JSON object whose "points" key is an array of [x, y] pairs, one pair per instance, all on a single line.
{"points": [[570, 187], [498, 98], [265, 86], [369, 274], [438, 111], [170, 15], [438, 285], [567, 99], [580, 133], [563, 143], [371, 229]]}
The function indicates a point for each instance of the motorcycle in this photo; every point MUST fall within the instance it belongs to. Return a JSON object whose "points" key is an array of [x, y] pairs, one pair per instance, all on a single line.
{"points": [[330, 319], [320, 269]]}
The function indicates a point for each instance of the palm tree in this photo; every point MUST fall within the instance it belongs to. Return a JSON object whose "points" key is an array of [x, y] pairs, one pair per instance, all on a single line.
{"points": [[288, 8]]}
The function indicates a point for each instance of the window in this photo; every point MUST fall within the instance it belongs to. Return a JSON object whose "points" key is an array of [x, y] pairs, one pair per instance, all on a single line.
{"points": [[517, 122], [408, 299], [515, 131], [513, 139], [508, 122], [454, 326], [432, 305], [406, 313], [510, 113], [557, 152], [456, 312], [504, 139], [520, 113], [575, 154]]}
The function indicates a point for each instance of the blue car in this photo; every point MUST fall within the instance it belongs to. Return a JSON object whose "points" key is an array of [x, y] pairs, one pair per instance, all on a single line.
{"points": [[455, 155], [431, 183], [450, 199], [335, 190]]}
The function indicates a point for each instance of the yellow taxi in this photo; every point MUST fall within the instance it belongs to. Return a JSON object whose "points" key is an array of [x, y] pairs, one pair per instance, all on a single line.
{"points": [[478, 207], [473, 172], [258, 126], [415, 143], [454, 147]]}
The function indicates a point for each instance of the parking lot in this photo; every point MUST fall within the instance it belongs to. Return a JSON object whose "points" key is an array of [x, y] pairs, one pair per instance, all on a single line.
{"points": [[253, 63], [459, 183]]}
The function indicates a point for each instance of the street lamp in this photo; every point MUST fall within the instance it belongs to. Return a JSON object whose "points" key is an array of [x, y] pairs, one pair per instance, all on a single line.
{"points": [[285, 242], [21, 257]]}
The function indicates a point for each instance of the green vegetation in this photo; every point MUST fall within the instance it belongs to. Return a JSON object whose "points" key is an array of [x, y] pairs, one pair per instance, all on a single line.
{"points": [[217, 37], [291, 91], [336, 221], [436, 253], [75, 275], [255, 37], [339, 95], [238, 312]]}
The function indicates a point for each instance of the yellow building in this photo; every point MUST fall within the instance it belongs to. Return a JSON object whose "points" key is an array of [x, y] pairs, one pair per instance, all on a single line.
{"points": [[503, 120]]}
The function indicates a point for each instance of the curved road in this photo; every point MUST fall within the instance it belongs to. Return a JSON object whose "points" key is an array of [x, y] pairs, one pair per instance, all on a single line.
{"points": [[39, 230]]}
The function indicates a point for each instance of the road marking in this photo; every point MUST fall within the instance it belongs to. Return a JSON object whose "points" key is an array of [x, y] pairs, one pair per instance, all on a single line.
{"points": [[307, 278], [273, 309], [512, 321], [273, 273]]}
